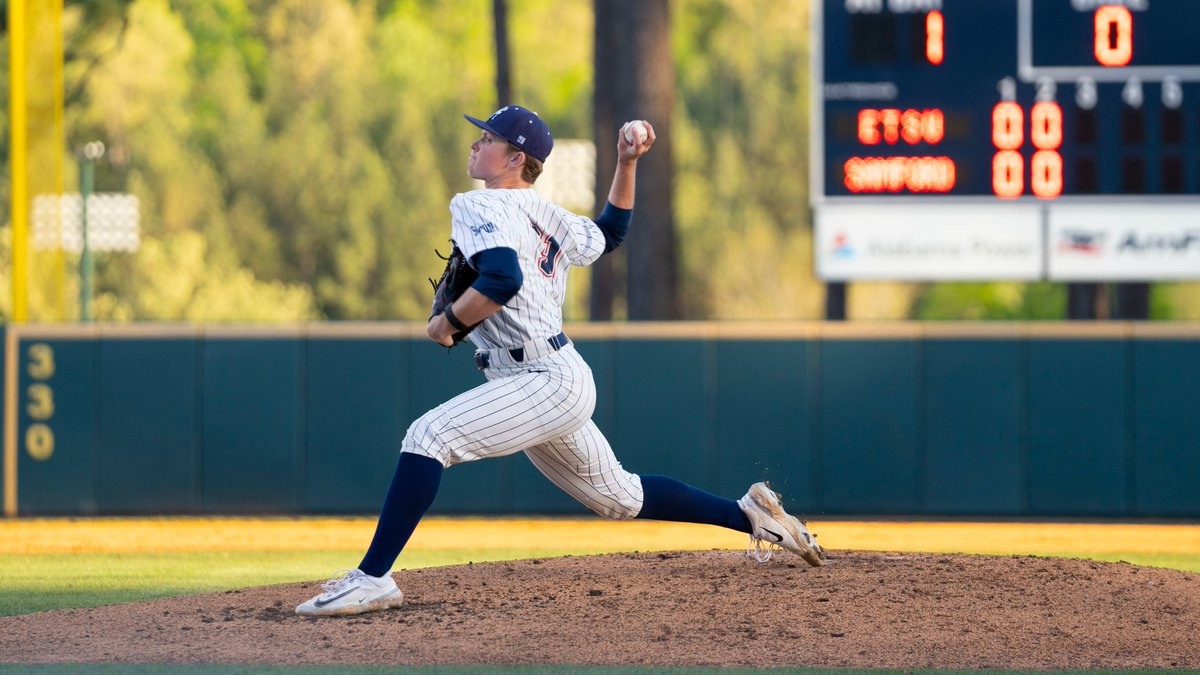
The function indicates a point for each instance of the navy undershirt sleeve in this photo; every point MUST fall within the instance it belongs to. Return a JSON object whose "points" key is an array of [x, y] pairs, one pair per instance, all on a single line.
{"points": [[499, 274], [614, 223]]}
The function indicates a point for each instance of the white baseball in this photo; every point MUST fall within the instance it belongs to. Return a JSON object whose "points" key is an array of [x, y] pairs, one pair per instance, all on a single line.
{"points": [[635, 132]]}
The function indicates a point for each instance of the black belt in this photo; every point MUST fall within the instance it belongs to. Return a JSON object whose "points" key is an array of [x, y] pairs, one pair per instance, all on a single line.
{"points": [[483, 360]]}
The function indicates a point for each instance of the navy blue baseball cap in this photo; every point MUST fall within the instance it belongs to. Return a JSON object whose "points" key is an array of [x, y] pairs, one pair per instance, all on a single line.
{"points": [[523, 128]]}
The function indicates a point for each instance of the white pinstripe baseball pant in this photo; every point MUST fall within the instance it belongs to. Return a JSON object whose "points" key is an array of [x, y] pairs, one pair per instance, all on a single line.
{"points": [[543, 408]]}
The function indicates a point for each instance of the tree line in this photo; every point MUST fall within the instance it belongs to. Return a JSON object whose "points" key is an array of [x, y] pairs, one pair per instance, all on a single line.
{"points": [[294, 158]]}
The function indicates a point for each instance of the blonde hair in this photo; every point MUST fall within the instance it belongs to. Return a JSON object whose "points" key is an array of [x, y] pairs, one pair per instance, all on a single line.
{"points": [[533, 166]]}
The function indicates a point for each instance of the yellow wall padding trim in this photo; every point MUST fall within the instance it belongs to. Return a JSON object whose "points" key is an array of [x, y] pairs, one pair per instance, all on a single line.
{"points": [[10, 421]]}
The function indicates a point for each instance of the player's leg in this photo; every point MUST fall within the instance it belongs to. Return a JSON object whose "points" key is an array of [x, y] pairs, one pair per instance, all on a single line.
{"points": [[497, 418], [412, 491], [673, 500], [502, 416], [583, 465], [760, 513], [370, 587]]}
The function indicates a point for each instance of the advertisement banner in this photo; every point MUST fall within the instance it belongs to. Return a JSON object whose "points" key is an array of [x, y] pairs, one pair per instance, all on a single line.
{"points": [[942, 242], [1130, 242]]}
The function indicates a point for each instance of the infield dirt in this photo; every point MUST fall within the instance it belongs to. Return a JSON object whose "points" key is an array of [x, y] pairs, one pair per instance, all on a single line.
{"points": [[695, 608]]}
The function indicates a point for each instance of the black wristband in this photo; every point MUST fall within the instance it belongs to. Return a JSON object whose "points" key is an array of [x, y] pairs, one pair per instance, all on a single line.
{"points": [[449, 313]]}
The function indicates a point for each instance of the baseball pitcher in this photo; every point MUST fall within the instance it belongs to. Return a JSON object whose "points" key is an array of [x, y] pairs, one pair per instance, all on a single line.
{"points": [[503, 289]]}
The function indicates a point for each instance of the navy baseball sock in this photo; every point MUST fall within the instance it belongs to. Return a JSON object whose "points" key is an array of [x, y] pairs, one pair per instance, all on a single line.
{"points": [[413, 488], [665, 498]]}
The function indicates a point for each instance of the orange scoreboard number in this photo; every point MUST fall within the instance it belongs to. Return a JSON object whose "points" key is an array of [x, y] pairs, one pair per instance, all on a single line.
{"points": [[935, 29], [1114, 35], [1008, 166]]}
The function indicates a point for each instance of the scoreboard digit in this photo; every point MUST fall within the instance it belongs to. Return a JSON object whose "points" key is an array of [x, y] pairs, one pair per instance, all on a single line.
{"points": [[941, 116]]}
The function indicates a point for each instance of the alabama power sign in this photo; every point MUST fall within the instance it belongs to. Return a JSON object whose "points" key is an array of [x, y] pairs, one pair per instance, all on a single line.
{"points": [[1026, 241]]}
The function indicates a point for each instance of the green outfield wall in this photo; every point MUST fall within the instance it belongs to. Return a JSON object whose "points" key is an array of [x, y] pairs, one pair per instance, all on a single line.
{"points": [[1070, 420]]}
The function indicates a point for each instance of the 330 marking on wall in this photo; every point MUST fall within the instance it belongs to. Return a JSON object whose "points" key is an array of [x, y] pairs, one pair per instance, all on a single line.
{"points": [[39, 402]]}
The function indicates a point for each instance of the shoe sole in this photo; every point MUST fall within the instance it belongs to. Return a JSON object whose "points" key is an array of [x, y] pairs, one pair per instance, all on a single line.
{"points": [[378, 604], [769, 502]]}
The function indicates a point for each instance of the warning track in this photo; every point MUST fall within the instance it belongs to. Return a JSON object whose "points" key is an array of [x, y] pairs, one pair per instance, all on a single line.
{"points": [[166, 535]]}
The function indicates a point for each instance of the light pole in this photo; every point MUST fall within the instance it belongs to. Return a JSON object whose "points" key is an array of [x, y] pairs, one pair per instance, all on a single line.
{"points": [[87, 160]]}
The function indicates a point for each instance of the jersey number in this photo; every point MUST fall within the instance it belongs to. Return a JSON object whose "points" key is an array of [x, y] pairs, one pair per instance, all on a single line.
{"points": [[551, 252]]}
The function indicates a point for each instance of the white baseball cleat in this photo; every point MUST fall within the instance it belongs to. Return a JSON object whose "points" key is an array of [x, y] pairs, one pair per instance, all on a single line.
{"points": [[353, 592], [775, 528]]}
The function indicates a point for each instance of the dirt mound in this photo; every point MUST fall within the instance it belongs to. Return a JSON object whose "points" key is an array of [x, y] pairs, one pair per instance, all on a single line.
{"points": [[711, 608]]}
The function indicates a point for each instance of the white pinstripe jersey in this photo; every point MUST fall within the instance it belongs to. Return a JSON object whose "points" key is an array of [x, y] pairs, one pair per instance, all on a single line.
{"points": [[548, 240]]}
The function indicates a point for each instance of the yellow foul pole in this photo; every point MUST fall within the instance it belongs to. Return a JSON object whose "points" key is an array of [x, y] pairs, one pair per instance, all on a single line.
{"points": [[19, 157]]}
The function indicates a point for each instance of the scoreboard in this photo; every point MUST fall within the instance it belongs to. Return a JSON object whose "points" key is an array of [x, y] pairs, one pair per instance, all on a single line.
{"points": [[1022, 139]]}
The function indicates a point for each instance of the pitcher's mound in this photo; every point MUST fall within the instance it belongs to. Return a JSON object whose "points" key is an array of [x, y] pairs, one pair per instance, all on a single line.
{"points": [[710, 608]]}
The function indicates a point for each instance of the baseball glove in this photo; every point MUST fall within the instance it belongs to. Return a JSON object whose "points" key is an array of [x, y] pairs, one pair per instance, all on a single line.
{"points": [[456, 279]]}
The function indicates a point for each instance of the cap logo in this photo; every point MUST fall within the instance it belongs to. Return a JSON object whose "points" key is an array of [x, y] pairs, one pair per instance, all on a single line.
{"points": [[520, 139]]}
